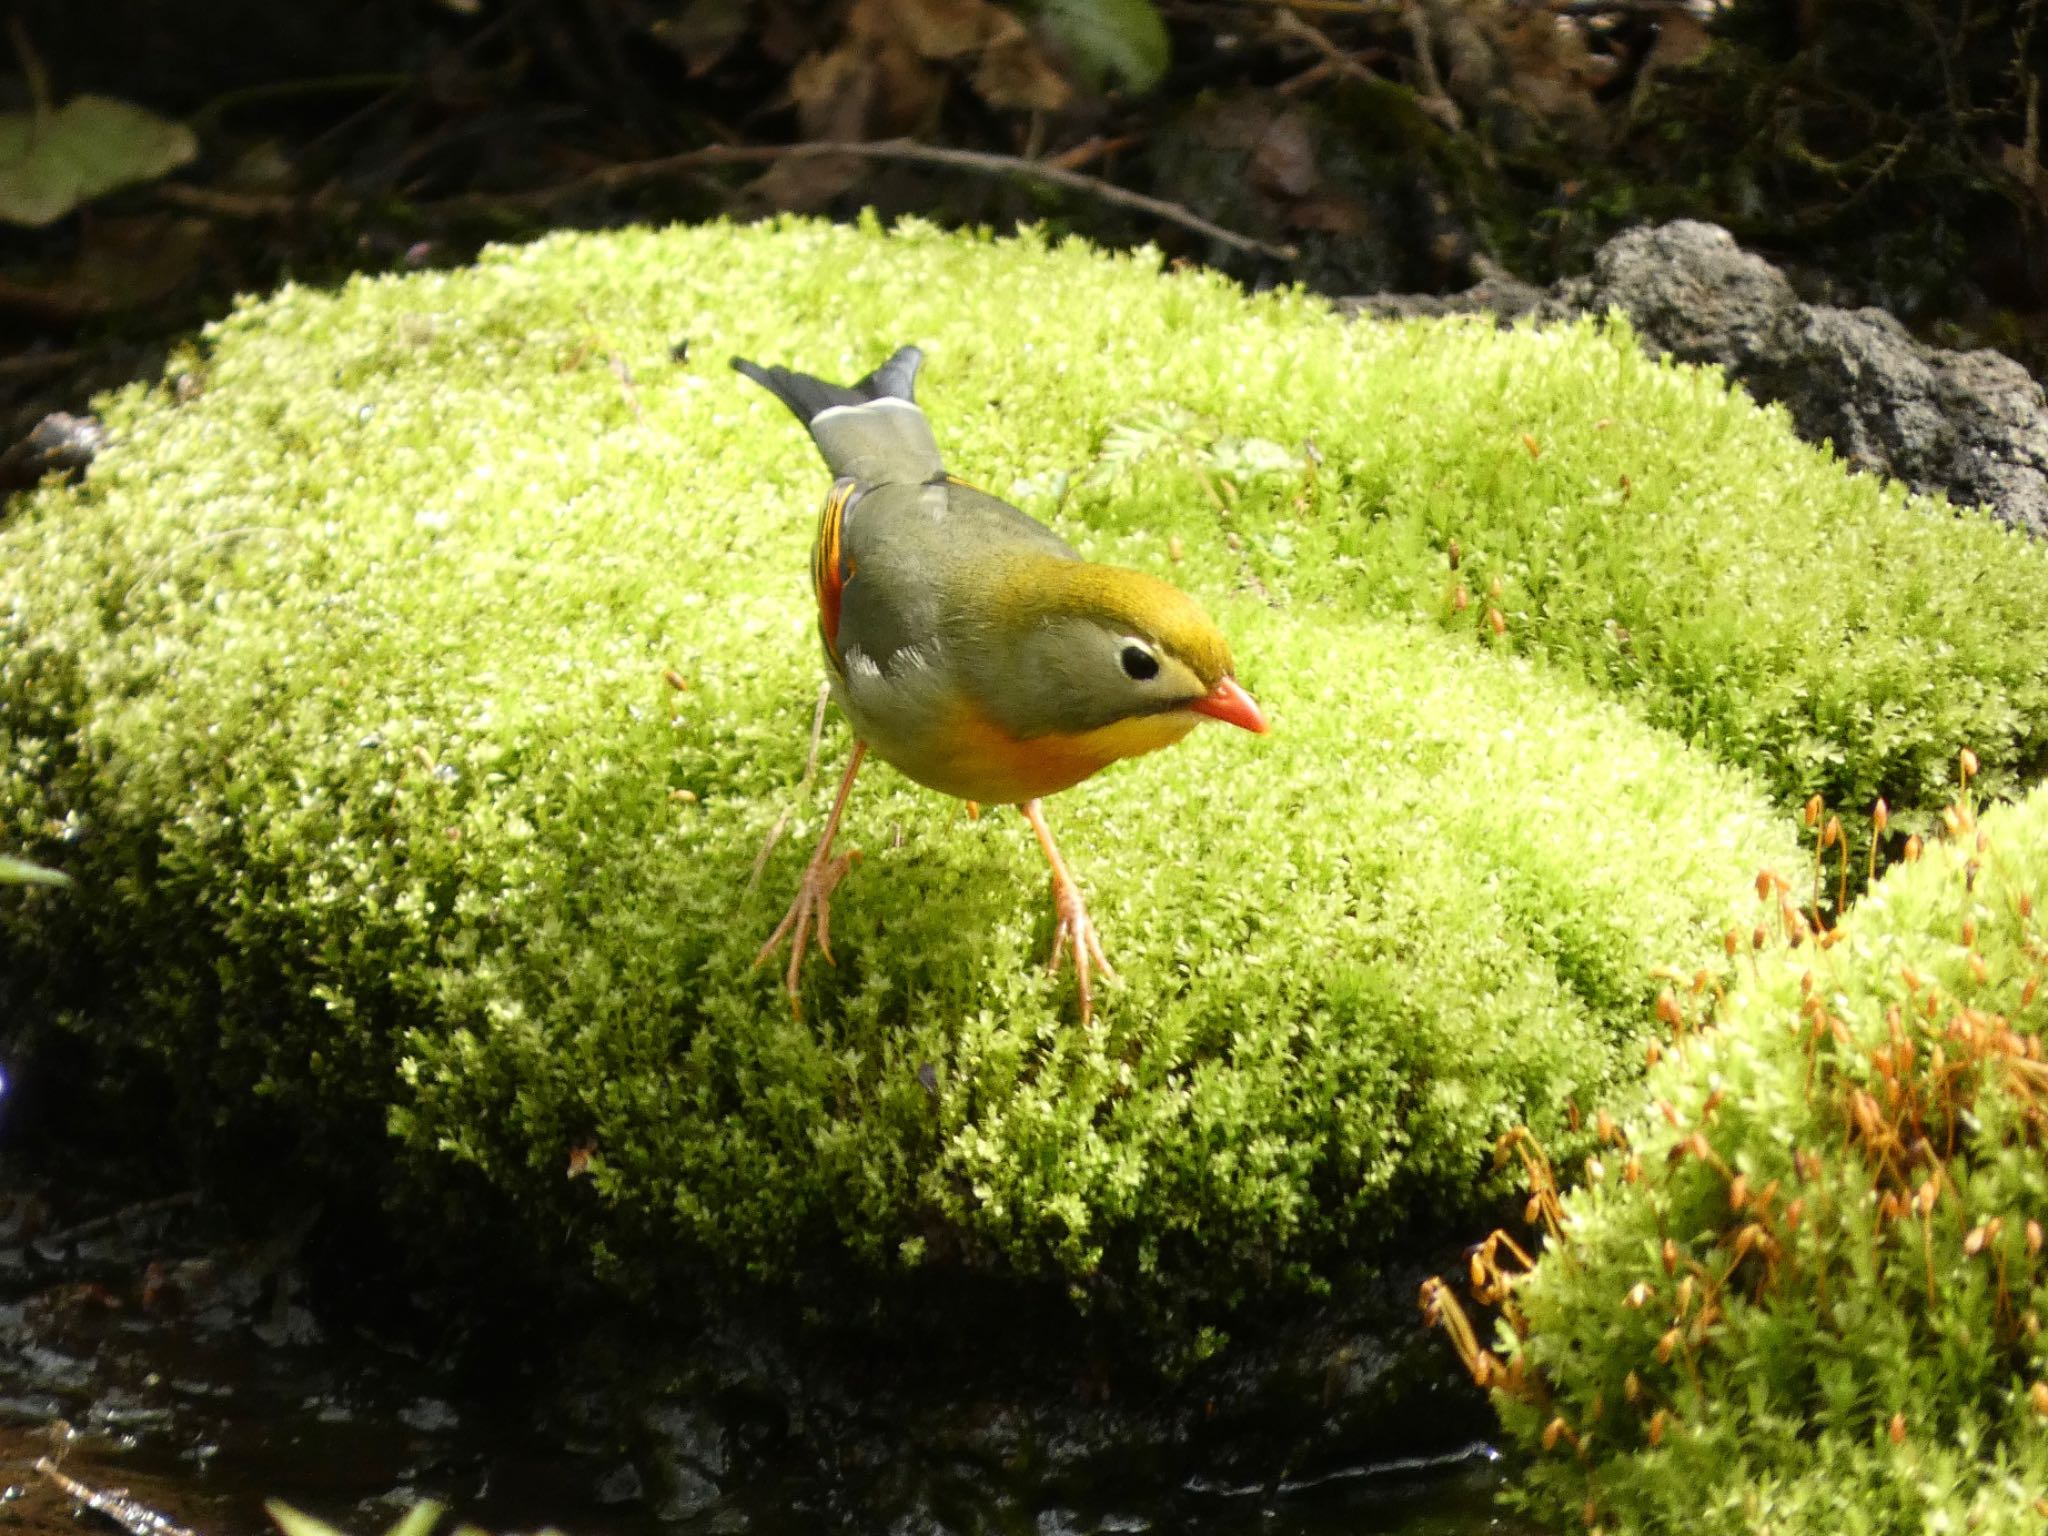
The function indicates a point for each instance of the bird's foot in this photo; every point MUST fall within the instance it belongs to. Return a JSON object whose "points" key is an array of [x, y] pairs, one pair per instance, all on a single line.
{"points": [[1076, 932], [811, 909]]}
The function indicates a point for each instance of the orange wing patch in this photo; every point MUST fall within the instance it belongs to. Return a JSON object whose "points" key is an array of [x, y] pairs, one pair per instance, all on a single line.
{"points": [[830, 569]]}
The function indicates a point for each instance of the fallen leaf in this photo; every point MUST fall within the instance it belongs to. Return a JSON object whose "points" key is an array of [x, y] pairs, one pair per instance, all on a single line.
{"points": [[52, 162], [1015, 73], [1124, 39]]}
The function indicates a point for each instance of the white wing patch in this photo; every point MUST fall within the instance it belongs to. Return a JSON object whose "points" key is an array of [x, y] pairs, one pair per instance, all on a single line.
{"points": [[886, 401]]}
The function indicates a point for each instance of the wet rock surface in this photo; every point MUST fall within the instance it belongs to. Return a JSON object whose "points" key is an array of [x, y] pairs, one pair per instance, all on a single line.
{"points": [[1972, 426], [143, 1347]]}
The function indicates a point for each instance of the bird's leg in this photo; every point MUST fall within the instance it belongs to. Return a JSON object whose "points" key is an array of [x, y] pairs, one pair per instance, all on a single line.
{"points": [[1075, 931], [814, 893]]}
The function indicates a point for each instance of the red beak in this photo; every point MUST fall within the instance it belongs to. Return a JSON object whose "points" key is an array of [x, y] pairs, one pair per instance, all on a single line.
{"points": [[1232, 705]]}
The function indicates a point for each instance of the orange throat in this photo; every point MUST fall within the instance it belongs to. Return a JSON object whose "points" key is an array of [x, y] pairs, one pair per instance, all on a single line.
{"points": [[984, 762]]}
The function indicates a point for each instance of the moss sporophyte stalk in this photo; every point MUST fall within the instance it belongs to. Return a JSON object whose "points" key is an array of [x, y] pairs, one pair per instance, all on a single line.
{"points": [[1817, 1284], [341, 688]]}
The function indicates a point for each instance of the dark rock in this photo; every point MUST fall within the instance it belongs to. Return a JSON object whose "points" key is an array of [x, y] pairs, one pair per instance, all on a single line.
{"points": [[58, 444], [1969, 425], [620, 1485], [1496, 293]]}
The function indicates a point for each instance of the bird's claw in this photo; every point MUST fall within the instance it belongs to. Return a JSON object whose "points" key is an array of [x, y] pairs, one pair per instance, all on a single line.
{"points": [[1075, 931], [813, 905]]}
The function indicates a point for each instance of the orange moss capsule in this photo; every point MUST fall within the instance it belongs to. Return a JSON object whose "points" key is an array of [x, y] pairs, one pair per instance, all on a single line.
{"points": [[2038, 1394], [1738, 1192], [1638, 1296], [1897, 1429], [1881, 815], [1670, 1256], [1814, 805], [1912, 854], [1659, 1421], [1666, 1345], [2033, 1238], [1967, 761], [1632, 1387]]}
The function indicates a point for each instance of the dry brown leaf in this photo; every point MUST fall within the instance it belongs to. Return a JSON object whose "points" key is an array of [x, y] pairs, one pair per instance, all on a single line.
{"points": [[942, 29], [1015, 73]]}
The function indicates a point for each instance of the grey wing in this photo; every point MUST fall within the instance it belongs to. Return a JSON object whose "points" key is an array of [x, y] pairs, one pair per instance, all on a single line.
{"points": [[899, 542], [977, 516]]}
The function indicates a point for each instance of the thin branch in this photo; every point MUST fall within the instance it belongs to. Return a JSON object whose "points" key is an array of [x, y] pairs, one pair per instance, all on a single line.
{"points": [[41, 362], [632, 172], [1088, 151], [1317, 39], [629, 173]]}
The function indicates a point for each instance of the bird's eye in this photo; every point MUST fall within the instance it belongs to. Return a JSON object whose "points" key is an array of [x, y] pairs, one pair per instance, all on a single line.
{"points": [[1139, 663]]}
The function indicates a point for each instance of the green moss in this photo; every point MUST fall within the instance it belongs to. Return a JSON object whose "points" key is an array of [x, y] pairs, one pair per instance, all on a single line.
{"points": [[1854, 1330], [340, 689]]}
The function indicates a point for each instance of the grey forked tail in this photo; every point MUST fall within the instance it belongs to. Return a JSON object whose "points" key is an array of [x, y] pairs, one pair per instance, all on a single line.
{"points": [[806, 396], [871, 432]]}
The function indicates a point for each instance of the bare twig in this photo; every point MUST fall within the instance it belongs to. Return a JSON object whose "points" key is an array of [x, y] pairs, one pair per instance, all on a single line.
{"points": [[1433, 91], [235, 205], [1333, 56], [1337, 7], [629, 173], [632, 172], [42, 362], [1088, 151]]}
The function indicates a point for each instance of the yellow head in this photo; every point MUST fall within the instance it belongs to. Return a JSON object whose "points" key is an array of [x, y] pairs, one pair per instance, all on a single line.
{"points": [[1065, 647]]}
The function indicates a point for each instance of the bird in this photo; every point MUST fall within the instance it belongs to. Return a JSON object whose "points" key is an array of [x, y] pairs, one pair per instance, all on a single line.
{"points": [[973, 650]]}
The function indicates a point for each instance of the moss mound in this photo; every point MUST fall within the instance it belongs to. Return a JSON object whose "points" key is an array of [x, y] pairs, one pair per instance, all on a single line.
{"points": [[1821, 1294], [340, 688]]}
